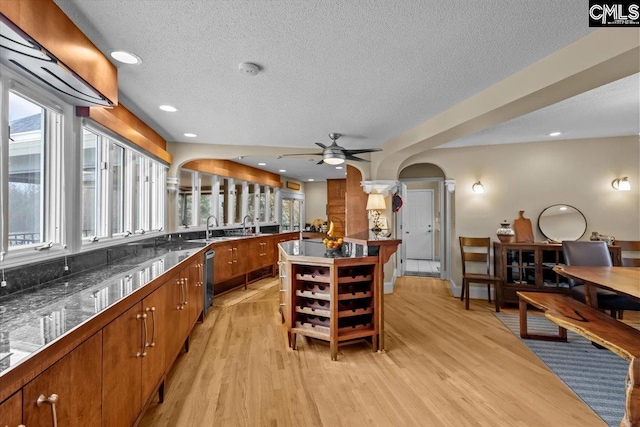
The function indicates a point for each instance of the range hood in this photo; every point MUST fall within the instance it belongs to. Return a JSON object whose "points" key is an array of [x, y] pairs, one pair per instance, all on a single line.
{"points": [[24, 55]]}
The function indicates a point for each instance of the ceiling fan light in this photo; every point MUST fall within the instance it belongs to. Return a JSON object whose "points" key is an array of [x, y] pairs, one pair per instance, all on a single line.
{"points": [[334, 160]]}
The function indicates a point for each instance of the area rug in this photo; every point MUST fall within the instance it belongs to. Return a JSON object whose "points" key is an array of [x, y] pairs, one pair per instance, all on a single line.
{"points": [[596, 376]]}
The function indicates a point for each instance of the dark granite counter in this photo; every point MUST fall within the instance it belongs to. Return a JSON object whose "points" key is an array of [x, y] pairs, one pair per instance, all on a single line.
{"points": [[33, 318]]}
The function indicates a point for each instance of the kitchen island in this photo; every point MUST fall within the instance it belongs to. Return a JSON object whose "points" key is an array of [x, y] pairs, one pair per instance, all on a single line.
{"points": [[335, 298]]}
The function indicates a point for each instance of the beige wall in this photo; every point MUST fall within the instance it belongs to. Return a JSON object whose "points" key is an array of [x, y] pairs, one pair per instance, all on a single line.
{"points": [[533, 176], [315, 196]]}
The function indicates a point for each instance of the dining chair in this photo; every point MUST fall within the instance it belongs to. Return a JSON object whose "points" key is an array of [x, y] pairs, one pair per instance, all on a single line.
{"points": [[580, 253], [477, 251], [629, 246]]}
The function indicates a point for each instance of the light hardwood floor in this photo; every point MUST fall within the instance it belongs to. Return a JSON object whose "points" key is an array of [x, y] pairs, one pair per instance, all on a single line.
{"points": [[444, 366]]}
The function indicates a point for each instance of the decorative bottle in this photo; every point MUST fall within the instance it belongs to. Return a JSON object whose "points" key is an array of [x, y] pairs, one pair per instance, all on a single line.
{"points": [[505, 233]]}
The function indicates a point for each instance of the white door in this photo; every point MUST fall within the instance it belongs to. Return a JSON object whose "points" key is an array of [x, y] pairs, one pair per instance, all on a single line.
{"points": [[418, 224]]}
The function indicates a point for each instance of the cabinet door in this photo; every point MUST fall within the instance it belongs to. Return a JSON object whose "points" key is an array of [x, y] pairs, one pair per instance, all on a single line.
{"points": [[153, 365], [240, 257], [123, 350], [175, 318], [223, 263], [76, 380], [11, 411], [196, 290], [254, 254]]}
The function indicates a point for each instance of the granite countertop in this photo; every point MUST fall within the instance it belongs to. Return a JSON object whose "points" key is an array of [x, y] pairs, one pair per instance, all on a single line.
{"points": [[35, 317], [314, 248]]}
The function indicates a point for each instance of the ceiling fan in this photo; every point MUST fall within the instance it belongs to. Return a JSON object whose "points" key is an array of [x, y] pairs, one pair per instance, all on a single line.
{"points": [[335, 154]]}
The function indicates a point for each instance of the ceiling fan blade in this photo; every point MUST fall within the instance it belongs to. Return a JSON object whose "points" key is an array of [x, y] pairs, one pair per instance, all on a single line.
{"points": [[299, 154], [357, 159], [320, 144], [363, 150]]}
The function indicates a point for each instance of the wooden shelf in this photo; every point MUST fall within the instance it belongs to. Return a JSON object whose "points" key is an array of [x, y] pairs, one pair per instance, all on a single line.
{"points": [[314, 278], [354, 295], [325, 296], [312, 331], [355, 279], [313, 311], [346, 336], [355, 312]]}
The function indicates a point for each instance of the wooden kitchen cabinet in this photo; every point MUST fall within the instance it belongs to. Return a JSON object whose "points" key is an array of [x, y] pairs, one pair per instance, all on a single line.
{"points": [[75, 380], [133, 359], [336, 202], [11, 411], [196, 290], [176, 317]]}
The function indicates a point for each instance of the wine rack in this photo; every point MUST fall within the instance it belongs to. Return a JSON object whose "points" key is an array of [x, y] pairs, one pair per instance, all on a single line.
{"points": [[334, 302]]}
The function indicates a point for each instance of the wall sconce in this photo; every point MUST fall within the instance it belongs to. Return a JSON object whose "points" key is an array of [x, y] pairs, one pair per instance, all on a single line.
{"points": [[621, 184], [375, 204], [477, 188]]}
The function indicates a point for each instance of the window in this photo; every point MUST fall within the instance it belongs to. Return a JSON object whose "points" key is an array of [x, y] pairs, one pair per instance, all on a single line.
{"points": [[272, 206], [263, 204], [251, 206], [185, 198], [122, 190], [206, 197], [117, 189], [90, 184], [33, 172]]}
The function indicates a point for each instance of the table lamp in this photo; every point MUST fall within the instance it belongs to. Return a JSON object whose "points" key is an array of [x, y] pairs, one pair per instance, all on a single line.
{"points": [[375, 204]]}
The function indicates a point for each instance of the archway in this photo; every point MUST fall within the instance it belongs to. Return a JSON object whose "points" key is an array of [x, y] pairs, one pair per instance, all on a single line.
{"points": [[424, 222]]}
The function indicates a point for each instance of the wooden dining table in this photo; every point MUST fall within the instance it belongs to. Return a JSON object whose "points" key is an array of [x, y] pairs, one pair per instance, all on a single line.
{"points": [[621, 280], [624, 281]]}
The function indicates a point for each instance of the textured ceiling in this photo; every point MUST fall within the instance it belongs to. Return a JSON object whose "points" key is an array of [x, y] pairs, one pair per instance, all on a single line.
{"points": [[367, 69], [608, 111]]}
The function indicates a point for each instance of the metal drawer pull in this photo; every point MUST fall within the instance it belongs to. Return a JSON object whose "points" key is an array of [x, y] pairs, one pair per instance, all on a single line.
{"points": [[143, 353], [153, 323], [51, 400], [186, 290], [282, 304]]}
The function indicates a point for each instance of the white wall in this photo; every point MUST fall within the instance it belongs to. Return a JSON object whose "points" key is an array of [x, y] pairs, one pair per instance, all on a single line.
{"points": [[533, 176], [315, 196]]}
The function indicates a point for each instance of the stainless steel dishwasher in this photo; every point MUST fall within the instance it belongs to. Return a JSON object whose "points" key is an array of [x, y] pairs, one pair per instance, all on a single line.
{"points": [[208, 279]]}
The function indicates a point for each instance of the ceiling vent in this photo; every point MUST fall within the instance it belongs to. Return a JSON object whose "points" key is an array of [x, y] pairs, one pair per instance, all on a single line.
{"points": [[23, 55]]}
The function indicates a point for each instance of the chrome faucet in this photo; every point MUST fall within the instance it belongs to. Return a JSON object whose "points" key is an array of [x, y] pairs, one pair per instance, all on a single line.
{"points": [[206, 236], [244, 224]]}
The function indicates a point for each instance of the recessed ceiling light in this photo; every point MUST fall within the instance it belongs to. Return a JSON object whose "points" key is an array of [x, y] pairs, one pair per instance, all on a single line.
{"points": [[190, 135], [338, 167], [126, 57], [555, 133], [248, 69], [282, 170], [168, 108], [311, 179], [262, 164]]}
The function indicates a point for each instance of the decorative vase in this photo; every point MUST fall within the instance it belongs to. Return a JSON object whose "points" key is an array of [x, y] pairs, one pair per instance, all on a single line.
{"points": [[505, 233], [594, 236]]}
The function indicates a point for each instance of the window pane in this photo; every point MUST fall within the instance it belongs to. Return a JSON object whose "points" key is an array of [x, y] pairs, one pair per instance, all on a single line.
{"points": [[135, 164], [263, 203], [185, 198], [272, 206], [157, 196], [206, 184], [238, 203], [251, 211], [90, 163], [222, 213], [286, 215], [26, 171], [117, 219], [296, 214]]}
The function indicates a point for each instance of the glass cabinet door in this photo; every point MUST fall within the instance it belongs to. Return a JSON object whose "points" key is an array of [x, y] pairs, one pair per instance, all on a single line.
{"points": [[521, 267]]}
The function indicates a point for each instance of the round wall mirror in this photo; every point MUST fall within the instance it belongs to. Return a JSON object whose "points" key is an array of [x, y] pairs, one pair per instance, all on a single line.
{"points": [[562, 222]]}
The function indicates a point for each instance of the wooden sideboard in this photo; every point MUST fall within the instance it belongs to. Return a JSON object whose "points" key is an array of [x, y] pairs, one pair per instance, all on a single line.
{"points": [[529, 267]]}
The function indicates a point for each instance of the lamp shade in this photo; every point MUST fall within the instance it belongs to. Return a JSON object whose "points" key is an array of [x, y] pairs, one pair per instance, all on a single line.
{"points": [[376, 202]]}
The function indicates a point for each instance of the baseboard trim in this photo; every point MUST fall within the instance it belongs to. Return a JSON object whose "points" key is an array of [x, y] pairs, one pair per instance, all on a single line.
{"points": [[388, 286], [475, 291]]}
